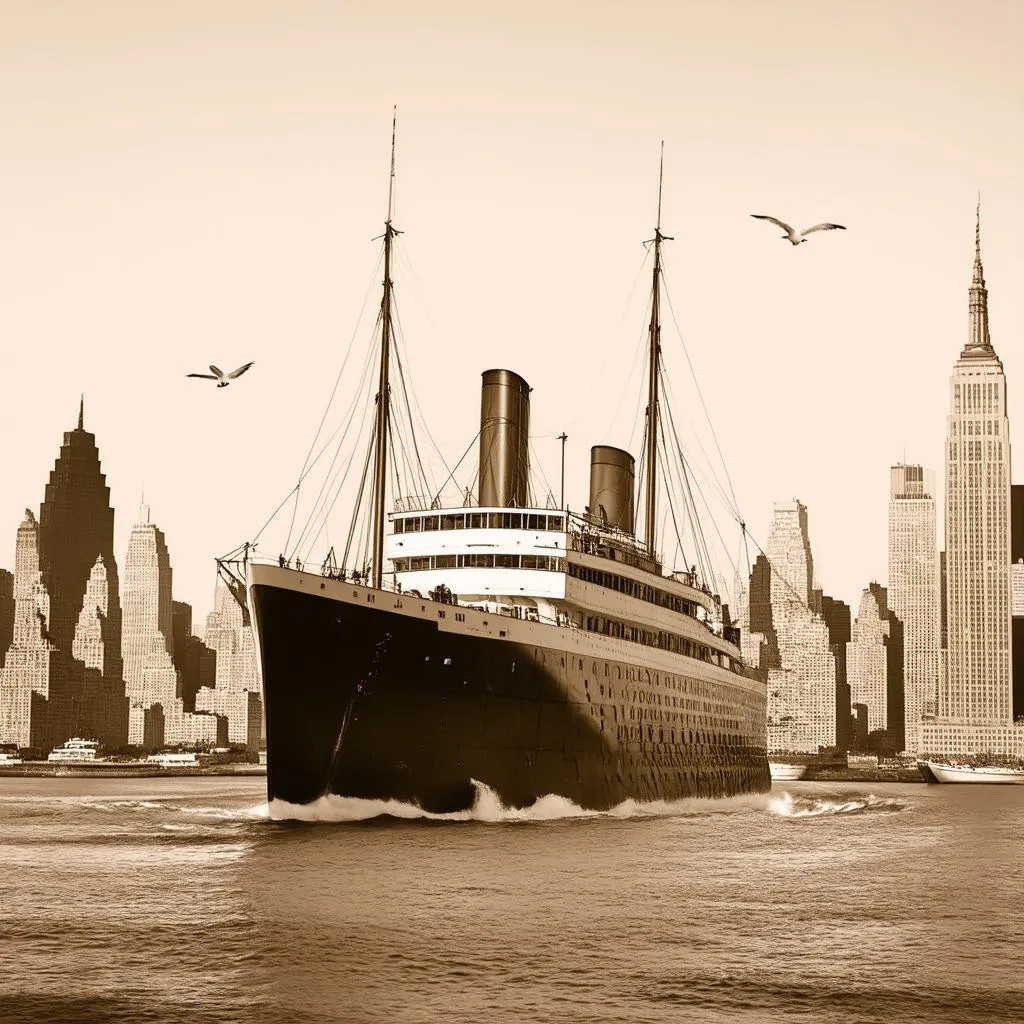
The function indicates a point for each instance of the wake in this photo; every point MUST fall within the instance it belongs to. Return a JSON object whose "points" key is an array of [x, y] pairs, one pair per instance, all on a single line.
{"points": [[487, 807], [804, 806]]}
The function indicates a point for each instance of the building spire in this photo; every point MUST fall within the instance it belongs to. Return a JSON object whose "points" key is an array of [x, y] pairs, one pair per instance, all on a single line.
{"points": [[81, 413], [978, 336]]}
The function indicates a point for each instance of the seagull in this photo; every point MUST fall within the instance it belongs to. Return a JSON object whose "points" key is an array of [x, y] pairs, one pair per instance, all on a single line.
{"points": [[223, 379], [791, 235]]}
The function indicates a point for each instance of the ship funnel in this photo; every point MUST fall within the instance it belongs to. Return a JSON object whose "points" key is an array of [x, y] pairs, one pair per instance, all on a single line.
{"points": [[504, 440], [611, 486]]}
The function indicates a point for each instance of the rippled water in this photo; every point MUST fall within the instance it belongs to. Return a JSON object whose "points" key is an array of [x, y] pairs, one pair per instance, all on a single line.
{"points": [[185, 900]]}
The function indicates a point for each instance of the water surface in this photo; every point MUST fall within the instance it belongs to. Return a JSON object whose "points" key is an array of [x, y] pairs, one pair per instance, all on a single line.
{"points": [[184, 900]]}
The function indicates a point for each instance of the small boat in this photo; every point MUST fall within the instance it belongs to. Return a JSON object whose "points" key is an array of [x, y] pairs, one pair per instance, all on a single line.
{"points": [[934, 771]]}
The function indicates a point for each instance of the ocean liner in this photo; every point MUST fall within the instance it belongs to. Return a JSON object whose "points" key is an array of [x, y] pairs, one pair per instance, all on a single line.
{"points": [[533, 650]]}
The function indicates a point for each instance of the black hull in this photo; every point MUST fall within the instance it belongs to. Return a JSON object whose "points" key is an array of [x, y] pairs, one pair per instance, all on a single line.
{"points": [[364, 701]]}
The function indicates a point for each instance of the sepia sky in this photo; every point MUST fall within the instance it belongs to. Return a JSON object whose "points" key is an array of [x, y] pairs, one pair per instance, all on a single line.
{"points": [[201, 182]]}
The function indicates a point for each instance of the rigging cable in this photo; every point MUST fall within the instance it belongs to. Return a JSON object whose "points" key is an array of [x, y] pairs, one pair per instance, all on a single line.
{"points": [[693, 374], [330, 400], [451, 473], [540, 470], [359, 496], [415, 279], [315, 510], [611, 346], [690, 505], [408, 405], [287, 497]]}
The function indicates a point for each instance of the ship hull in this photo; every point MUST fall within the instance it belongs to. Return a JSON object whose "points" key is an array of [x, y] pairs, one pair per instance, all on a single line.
{"points": [[374, 695], [932, 771]]}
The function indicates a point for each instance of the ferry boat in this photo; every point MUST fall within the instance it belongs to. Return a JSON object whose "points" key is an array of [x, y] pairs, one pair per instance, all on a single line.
{"points": [[532, 650], [935, 771], [6, 758], [76, 751]]}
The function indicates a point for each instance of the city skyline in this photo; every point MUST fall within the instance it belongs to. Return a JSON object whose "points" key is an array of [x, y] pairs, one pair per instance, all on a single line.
{"points": [[244, 232], [84, 655]]}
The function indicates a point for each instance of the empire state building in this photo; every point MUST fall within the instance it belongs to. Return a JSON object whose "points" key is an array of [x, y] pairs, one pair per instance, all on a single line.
{"points": [[975, 695]]}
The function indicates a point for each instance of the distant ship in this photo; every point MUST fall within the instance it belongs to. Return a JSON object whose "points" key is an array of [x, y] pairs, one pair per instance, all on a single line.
{"points": [[934, 771], [782, 772], [532, 650], [76, 751]]}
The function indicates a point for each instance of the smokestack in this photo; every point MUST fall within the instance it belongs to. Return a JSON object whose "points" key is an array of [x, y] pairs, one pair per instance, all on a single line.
{"points": [[611, 486], [504, 440]]}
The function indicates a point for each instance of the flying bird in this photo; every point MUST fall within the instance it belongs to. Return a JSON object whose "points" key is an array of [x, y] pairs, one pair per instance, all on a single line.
{"points": [[791, 234], [223, 379]]}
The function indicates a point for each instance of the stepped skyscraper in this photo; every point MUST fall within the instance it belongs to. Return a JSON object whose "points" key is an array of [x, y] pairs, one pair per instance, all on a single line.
{"points": [[975, 698], [76, 525], [62, 673]]}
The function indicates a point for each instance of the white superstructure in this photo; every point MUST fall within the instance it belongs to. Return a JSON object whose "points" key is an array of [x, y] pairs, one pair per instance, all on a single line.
{"points": [[76, 750], [556, 568]]}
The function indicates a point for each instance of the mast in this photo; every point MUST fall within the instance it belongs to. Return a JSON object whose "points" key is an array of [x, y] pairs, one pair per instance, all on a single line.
{"points": [[652, 387], [384, 388], [563, 437]]}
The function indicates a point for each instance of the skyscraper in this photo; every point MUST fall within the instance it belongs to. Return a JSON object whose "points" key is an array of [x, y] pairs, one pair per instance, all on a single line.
{"points": [[66, 649], [76, 524], [147, 623], [1017, 609], [103, 708], [6, 612], [868, 663], [975, 709], [876, 668], [196, 662], [157, 715], [913, 591], [34, 691], [237, 692], [802, 692], [836, 614]]}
